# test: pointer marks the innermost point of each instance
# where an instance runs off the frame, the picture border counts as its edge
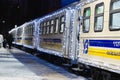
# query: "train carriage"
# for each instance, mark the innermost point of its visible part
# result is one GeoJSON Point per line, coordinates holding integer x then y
{"type": "Point", "coordinates": [28, 34]}
{"type": "Point", "coordinates": [52, 32]}
{"type": "Point", "coordinates": [99, 38]}
{"type": "Point", "coordinates": [59, 33]}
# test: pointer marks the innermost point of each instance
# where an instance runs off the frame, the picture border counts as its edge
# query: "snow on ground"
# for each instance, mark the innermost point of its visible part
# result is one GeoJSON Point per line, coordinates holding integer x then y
{"type": "Point", "coordinates": [18, 65]}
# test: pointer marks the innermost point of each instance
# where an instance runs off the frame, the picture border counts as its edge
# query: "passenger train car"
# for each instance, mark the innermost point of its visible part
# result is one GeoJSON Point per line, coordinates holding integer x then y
{"type": "Point", "coordinates": [99, 37]}
{"type": "Point", "coordinates": [28, 36]}
{"type": "Point", "coordinates": [85, 34]}
{"type": "Point", "coordinates": [54, 33]}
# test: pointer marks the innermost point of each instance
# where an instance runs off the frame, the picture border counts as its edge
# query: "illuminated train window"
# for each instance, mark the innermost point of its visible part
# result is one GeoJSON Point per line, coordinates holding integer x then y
{"type": "Point", "coordinates": [19, 32]}
{"type": "Point", "coordinates": [86, 19]}
{"type": "Point", "coordinates": [56, 25]}
{"type": "Point", "coordinates": [52, 26]}
{"type": "Point", "coordinates": [115, 15]}
{"type": "Point", "coordinates": [25, 29]}
{"type": "Point", "coordinates": [99, 12]}
{"type": "Point", "coordinates": [41, 28]}
{"type": "Point", "coordinates": [29, 29]}
{"type": "Point", "coordinates": [62, 24]}
{"type": "Point", "coordinates": [32, 29]}
{"type": "Point", "coordinates": [48, 27]}
{"type": "Point", "coordinates": [44, 30]}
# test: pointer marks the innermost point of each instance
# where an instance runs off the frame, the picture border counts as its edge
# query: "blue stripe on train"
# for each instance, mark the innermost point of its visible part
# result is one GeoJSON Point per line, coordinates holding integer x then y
{"type": "Point", "coordinates": [52, 40]}
{"type": "Point", "coordinates": [105, 43]}
{"type": "Point", "coordinates": [28, 38]}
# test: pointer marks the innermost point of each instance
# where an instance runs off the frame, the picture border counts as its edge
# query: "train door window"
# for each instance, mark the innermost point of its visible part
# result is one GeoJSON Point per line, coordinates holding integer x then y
{"type": "Point", "coordinates": [115, 15]}
{"type": "Point", "coordinates": [52, 26]}
{"type": "Point", "coordinates": [99, 12]}
{"type": "Point", "coordinates": [48, 27]}
{"type": "Point", "coordinates": [62, 24]}
{"type": "Point", "coordinates": [86, 20]}
{"type": "Point", "coordinates": [56, 25]}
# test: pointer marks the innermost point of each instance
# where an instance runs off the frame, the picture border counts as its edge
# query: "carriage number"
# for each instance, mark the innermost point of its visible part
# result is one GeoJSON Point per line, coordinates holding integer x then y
{"type": "Point", "coordinates": [116, 43]}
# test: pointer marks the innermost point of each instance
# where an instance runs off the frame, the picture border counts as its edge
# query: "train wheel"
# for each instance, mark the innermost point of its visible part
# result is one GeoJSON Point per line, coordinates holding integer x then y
{"type": "Point", "coordinates": [98, 74]}
{"type": "Point", "coordinates": [106, 75]}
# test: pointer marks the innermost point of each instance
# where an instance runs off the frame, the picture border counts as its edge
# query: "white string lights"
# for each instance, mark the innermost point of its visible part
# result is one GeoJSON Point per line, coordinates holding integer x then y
{"type": "Point", "coordinates": [66, 10]}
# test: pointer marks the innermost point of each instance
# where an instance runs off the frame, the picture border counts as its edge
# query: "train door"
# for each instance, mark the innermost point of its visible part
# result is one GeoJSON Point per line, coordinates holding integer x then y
{"type": "Point", "coordinates": [66, 36]}
{"type": "Point", "coordinates": [35, 34]}
{"type": "Point", "coordinates": [71, 35]}
{"type": "Point", "coordinates": [74, 36]}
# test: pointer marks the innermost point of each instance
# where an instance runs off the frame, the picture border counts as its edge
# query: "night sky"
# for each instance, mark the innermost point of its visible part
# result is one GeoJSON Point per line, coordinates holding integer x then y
{"type": "Point", "coordinates": [17, 12]}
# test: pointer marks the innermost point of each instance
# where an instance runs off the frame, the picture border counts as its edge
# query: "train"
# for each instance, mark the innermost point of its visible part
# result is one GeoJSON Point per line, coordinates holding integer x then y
{"type": "Point", "coordinates": [85, 33]}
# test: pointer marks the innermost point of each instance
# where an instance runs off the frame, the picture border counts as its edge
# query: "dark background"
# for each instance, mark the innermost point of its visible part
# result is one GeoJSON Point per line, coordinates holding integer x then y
{"type": "Point", "coordinates": [17, 12]}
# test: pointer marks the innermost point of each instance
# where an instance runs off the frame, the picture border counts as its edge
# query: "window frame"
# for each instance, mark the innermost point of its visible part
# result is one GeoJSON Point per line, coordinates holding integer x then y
{"type": "Point", "coordinates": [56, 29]}
{"type": "Point", "coordinates": [44, 28]}
{"type": "Point", "coordinates": [111, 13]}
{"type": "Point", "coordinates": [47, 27]}
{"type": "Point", "coordinates": [62, 23]}
{"type": "Point", "coordinates": [99, 15]}
{"type": "Point", "coordinates": [85, 18]}
{"type": "Point", "coordinates": [52, 25]}
{"type": "Point", "coordinates": [32, 29]}
{"type": "Point", "coordinates": [41, 28]}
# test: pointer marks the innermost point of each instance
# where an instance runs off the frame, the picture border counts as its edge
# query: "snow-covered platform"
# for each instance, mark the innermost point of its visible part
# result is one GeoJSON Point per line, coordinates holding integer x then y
{"type": "Point", "coordinates": [19, 65]}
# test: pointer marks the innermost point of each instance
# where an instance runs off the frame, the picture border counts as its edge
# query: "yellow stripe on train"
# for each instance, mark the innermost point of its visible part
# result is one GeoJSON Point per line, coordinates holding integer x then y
{"type": "Point", "coordinates": [28, 42]}
{"type": "Point", "coordinates": [104, 52]}
{"type": "Point", "coordinates": [52, 46]}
